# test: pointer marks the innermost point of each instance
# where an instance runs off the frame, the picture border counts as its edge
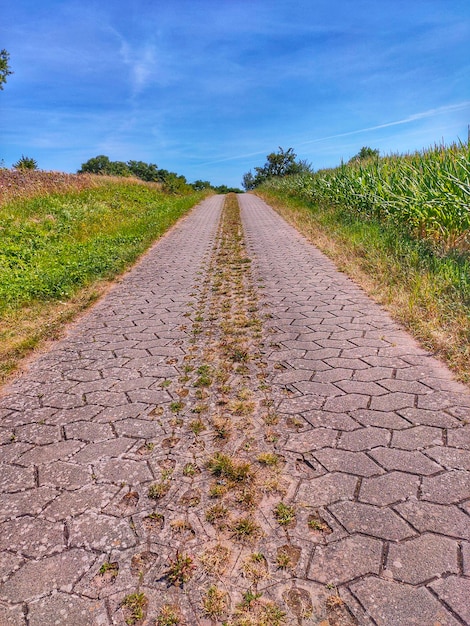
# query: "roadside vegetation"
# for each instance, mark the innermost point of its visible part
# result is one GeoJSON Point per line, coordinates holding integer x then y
{"type": "Point", "coordinates": [400, 226]}
{"type": "Point", "coordinates": [63, 238]}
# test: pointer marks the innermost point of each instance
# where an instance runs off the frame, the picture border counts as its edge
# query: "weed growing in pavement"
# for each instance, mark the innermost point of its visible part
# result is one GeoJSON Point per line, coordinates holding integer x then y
{"type": "Point", "coordinates": [284, 514]}
{"type": "Point", "coordinates": [316, 524]}
{"type": "Point", "coordinates": [168, 616]}
{"type": "Point", "coordinates": [268, 458]}
{"type": "Point", "coordinates": [111, 569]}
{"type": "Point", "coordinates": [216, 514]}
{"type": "Point", "coordinates": [197, 426]}
{"type": "Point", "coordinates": [222, 427]}
{"type": "Point", "coordinates": [190, 469]}
{"type": "Point", "coordinates": [158, 490]}
{"type": "Point", "coordinates": [225, 466]}
{"type": "Point", "coordinates": [245, 529]}
{"type": "Point", "coordinates": [177, 406]}
{"type": "Point", "coordinates": [216, 559]}
{"type": "Point", "coordinates": [214, 602]}
{"type": "Point", "coordinates": [134, 606]}
{"type": "Point", "coordinates": [255, 567]}
{"type": "Point", "coordinates": [181, 569]}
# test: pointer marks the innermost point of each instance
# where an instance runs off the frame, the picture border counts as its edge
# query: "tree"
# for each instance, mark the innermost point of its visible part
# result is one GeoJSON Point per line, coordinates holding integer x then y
{"type": "Point", "coordinates": [4, 67]}
{"type": "Point", "coordinates": [280, 163]}
{"type": "Point", "coordinates": [200, 185]}
{"type": "Point", "coordinates": [365, 153]}
{"type": "Point", "coordinates": [26, 163]}
{"type": "Point", "coordinates": [97, 165]}
{"type": "Point", "coordinates": [144, 171]}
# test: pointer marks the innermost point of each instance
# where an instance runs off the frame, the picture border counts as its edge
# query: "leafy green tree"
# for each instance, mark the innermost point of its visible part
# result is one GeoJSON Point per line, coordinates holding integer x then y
{"type": "Point", "coordinates": [144, 171]}
{"type": "Point", "coordinates": [26, 163]}
{"type": "Point", "coordinates": [249, 181]}
{"type": "Point", "coordinates": [97, 165]}
{"type": "Point", "coordinates": [200, 185]}
{"type": "Point", "coordinates": [365, 153]}
{"type": "Point", "coordinates": [118, 168]}
{"type": "Point", "coordinates": [4, 67]}
{"type": "Point", "coordinates": [281, 163]}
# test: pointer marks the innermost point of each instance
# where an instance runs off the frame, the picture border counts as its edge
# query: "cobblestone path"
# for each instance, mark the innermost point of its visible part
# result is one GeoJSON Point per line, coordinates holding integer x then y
{"type": "Point", "coordinates": [235, 434]}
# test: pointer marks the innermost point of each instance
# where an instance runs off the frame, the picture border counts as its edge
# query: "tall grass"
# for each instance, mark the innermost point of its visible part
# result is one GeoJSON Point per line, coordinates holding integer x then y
{"type": "Point", "coordinates": [425, 194]}
{"type": "Point", "coordinates": [56, 247]}
{"type": "Point", "coordinates": [400, 227]}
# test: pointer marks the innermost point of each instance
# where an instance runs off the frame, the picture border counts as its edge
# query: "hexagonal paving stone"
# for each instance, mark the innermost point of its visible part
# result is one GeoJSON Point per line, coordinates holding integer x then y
{"type": "Point", "coordinates": [426, 516]}
{"type": "Point", "coordinates": [417, 438]}
{"type": "Point", "coordinates": [69, 609]}
{"type": "Point", "coordinates": [403, 460]}
{"type": "Point", "coordinates": [391, 487]}
{"type": "Point", "coordinates": [36, 578]}
{"type": "Point", "coordinates": [423, 558]}
{"type": "Point", "coordinates": [101, 532]}
{"type": "Point", "coordinates": [364, 439]}
{"type": "Point", "coordinates": [446, 488]}
{"type": "Point", "coordinates": [356, 463]}
{"type": "Point", "coordinates": [395, 604]}
{"type": "Point", "coordinates": [455, 591]}
{"type": "Point", "coordinates": [376, 521]}
{"type": "Point", "coordinates": [327, 489]}
{"type": "Point", "coordinates": [345, 560]}
{"type": "Point", "coordinates": [451, 458]}
{"type": "Point", "coordinates": [31, 536]}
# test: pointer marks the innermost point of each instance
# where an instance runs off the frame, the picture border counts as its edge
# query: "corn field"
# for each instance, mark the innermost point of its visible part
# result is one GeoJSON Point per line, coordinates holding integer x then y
{"type": "Point", "coordinates": [426, 193]}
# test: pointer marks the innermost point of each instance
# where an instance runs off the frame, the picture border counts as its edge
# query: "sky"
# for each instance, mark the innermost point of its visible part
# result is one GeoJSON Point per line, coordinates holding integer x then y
{"type": "Point", "coordinates": [207, 88]}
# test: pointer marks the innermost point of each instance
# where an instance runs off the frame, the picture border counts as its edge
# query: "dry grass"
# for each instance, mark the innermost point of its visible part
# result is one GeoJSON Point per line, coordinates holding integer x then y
{"type": "Point", "coordinates": [30, 328]}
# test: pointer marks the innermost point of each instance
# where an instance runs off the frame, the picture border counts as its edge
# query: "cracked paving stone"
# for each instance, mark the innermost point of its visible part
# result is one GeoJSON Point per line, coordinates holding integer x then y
{"type": "Point", "coordinates": [14, 478]}
{"type": "Point", "coordinates": [438, 518]}
{"type": "Point", "coordinates": [31, 536]}
{"type": "Point", "coordinates": [120, 471]}
{"type": "Point", "coordinates": [71, 503]}
{"type": "Point", "coordinates": [404, 460]}
{"type": "Point", "coordinates": [50, 453]}
{"type": "Point", "coordinates": [356, 463]}
{"type": "Point", "coordinates": [37, 578]}
{"type": "Point", "coordinates": [423, 558]}
{"type": "Point", "coordinates": [345, 560]}
{"type": "Point", "coordinates": [371, 520]}
{"type": "Point", "coordinates": [391, 603]}
{"type": "Point", "coordinates": [101, 532]}
{"type": "Point", "coordinates": [64, 475]}
{"type": "Point", "coordinates": [12, 616]}
{"type": "Point", "coordinates": [389, 488]}
{"type": "Point", "coordinates": [455, 591]}
{"type": "Point", "coordinates": [64, 609]}
{"type": "Point", "coordinates": [103, 450]}
{"type": "Point", "coordinates": [29, 502]}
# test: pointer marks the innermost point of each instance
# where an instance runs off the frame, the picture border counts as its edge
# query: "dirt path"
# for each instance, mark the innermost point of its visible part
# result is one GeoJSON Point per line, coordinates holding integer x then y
{"type": "Point", "coordinates": [235, 435]}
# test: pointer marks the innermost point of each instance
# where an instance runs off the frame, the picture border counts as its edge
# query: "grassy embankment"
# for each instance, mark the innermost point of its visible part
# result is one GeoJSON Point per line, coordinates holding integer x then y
{"type": "Point", "coordinates": [400, 227]}
{"type": "Point", "coordinates": [63, 238]}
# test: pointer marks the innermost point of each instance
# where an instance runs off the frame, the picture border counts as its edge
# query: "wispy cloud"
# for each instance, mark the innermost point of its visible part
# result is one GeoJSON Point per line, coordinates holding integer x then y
{"type": "Point", "coordinates": [406, 120]}
{"type": "Point", "coordinates": [141, 61]}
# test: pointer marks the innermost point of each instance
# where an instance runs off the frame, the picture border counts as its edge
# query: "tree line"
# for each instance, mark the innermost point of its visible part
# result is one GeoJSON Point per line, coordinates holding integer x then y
{"type": "Point", "coordinates": [149, 172]}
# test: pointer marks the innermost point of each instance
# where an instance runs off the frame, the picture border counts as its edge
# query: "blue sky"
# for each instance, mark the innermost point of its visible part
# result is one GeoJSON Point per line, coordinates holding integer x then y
{"type": "Point", "coordinates": [207, 88]}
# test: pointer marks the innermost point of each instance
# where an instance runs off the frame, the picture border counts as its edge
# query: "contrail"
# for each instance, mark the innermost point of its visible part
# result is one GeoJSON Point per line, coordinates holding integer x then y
{"type": "Point", "coordinates": [405, 120]}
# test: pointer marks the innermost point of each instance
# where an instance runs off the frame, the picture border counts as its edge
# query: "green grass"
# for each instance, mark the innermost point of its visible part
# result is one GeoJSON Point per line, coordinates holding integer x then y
{"type": "Point", "coordinates": [58, 252]}
{"type": "Point", "coordinates": [53, 245]}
